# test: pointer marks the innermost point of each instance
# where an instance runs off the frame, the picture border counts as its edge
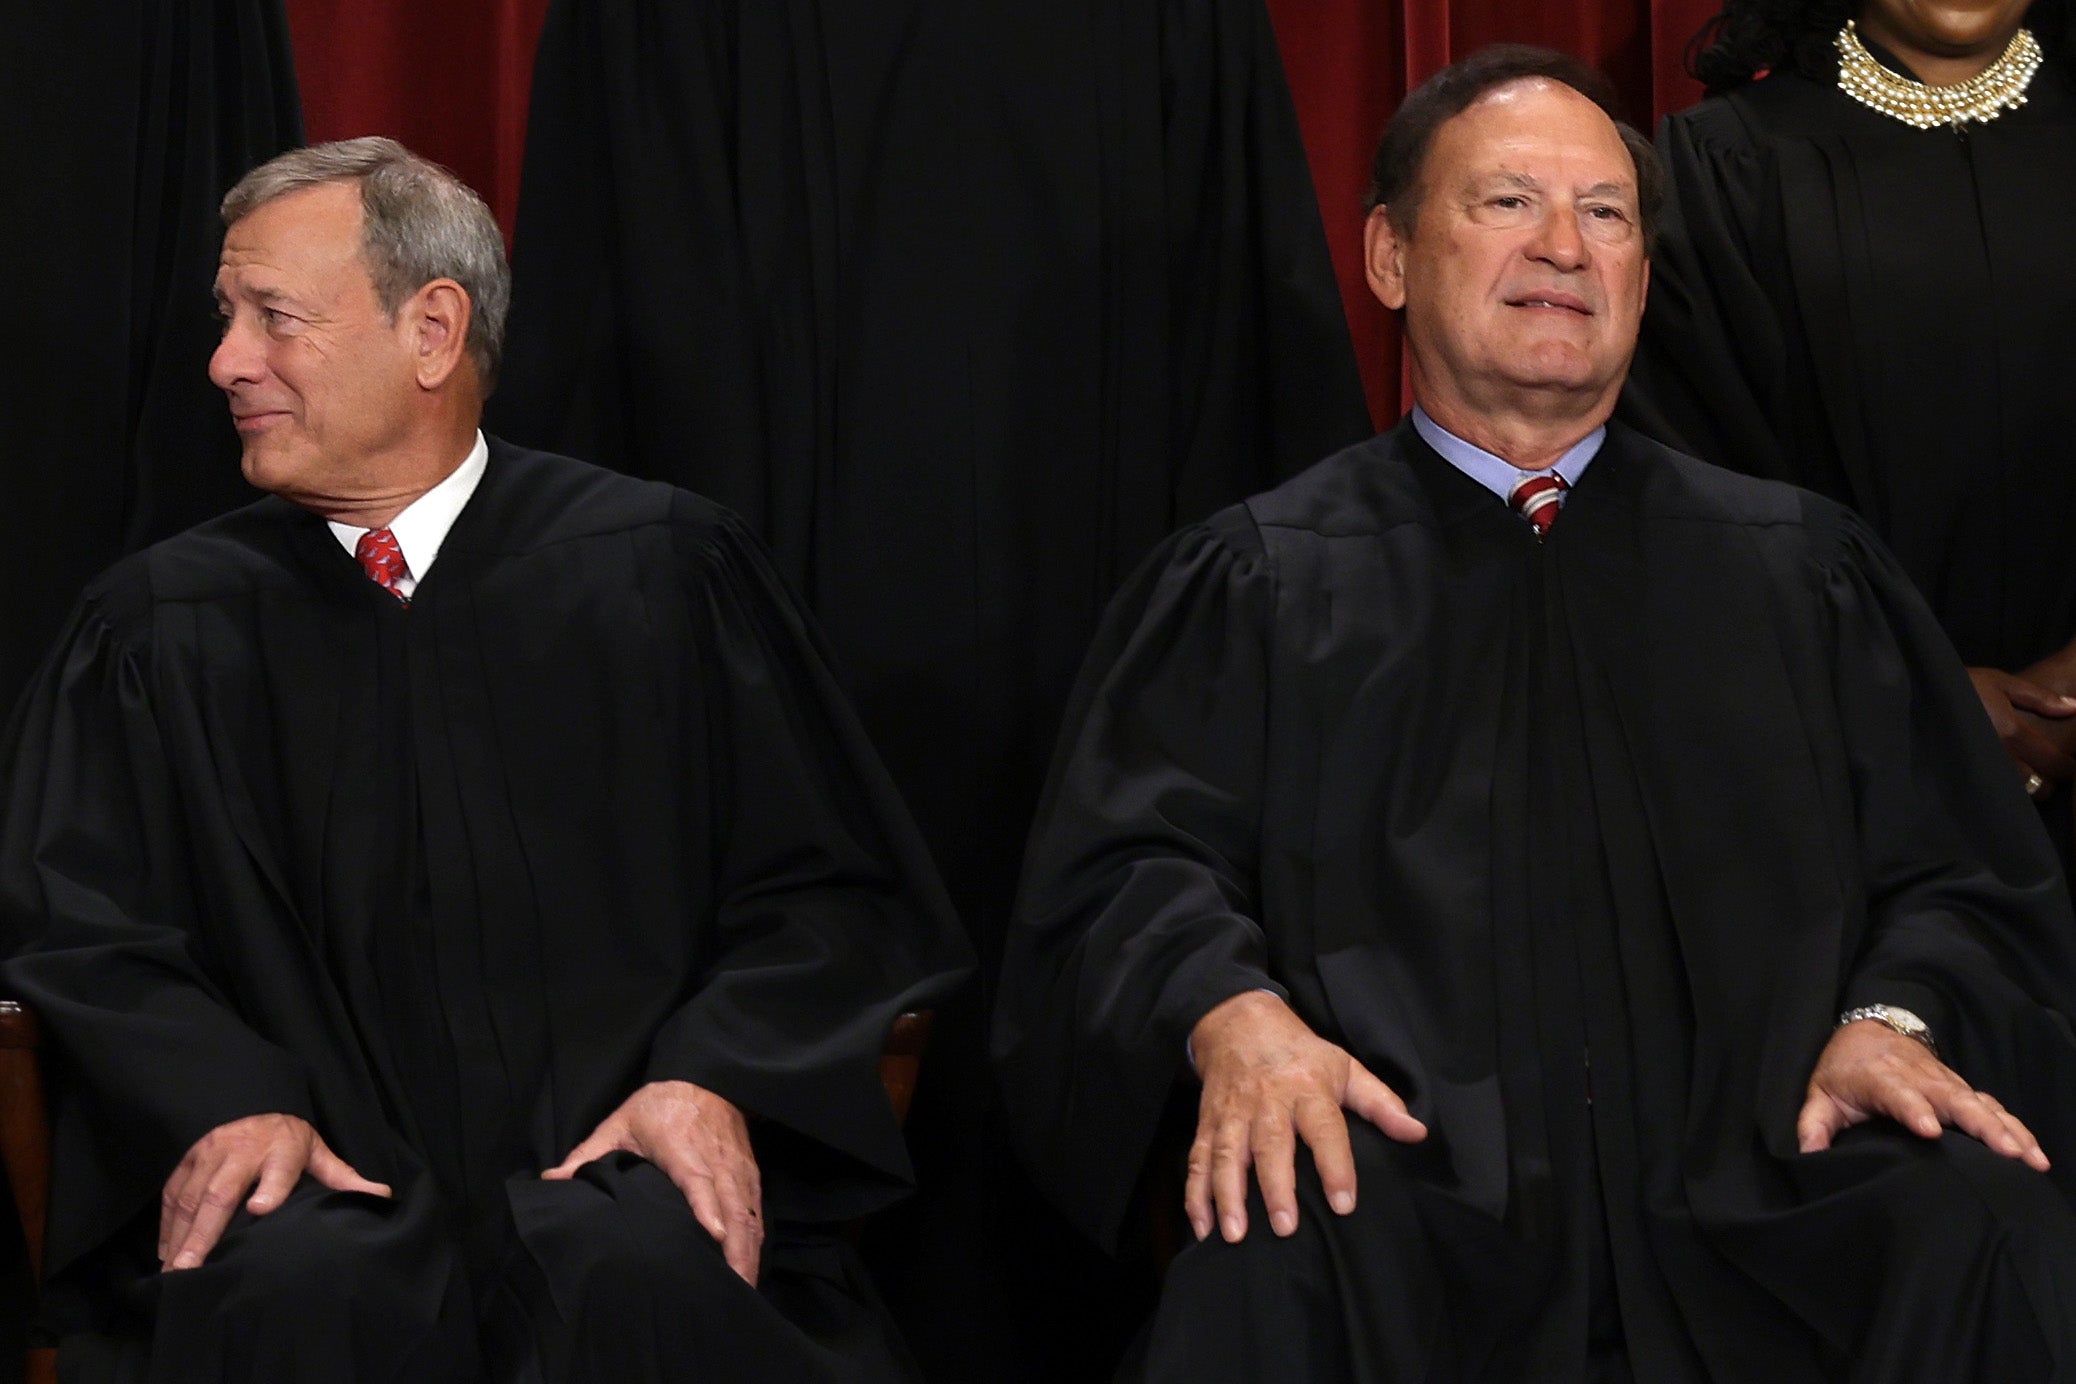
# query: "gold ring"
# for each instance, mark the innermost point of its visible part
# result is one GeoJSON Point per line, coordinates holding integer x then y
{"type": "Point", "coordinates": [2034, 783]}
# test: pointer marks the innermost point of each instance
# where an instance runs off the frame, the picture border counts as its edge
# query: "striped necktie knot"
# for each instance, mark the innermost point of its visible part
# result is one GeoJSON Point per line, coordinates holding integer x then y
{"type": "Point", "coordinates": [1537, 499]}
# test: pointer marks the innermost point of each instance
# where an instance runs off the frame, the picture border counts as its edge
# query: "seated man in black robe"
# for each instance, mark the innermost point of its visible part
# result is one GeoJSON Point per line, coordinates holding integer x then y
{"type": "Point", "coordinates": [467, 912]}
{"type": "Point", "coordinates": [1616, 837]}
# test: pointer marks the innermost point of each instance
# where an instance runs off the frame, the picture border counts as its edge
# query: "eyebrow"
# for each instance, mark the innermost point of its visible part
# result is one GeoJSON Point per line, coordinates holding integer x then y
{"type": "Point", "coordinates": [265, 296]}
{"type": "Point", "coordinates": [1485, 181]}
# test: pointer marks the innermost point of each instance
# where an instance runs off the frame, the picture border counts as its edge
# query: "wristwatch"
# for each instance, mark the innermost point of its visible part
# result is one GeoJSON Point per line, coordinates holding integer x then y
{"type": "Point", "coordinates": [1897, 1018]}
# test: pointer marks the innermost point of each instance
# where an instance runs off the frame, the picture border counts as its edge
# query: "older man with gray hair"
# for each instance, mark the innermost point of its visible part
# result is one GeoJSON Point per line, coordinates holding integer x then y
{"type": "Point", "coordinates": [467, 910]}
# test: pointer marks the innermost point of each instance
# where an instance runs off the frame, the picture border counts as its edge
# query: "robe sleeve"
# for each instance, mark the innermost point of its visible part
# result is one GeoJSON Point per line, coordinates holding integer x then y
{"type": "Point", "coordinates": [1968, 917]}
{"type": "Point", "coordinates": [1138, 910]}
{"type": "Point", "coordinates": [828, 920]}
{"type": "Point", "coordinates": [101, 907]}
{"type": "Point", "coordinates": [1710, 373]}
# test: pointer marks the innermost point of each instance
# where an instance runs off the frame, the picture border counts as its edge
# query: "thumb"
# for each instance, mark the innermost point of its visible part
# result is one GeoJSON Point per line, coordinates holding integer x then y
{"type": "Point", "coordinates": [591, 1150]}
{"type": "Point", "coordinates": [1820, 1120]}
{"type": "Point", "coordinates": [336, 1173]}
{"type": "Point", "coordinates": [1380, 1105]}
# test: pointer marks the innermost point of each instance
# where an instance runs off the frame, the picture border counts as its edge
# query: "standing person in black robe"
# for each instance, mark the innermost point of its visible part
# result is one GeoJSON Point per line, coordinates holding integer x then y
{"type": "Point", "coordinates": [470, 961]}
{"type": "Point", "coordinates": [1870, 296]}
{"type": "Point", "coordinates": [962, 307]}
{"type": "Point", "coordinates": [1618, 863]}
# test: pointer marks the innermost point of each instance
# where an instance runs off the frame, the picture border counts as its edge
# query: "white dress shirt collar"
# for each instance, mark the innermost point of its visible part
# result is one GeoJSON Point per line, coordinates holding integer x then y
{"type": "Point", "coordinates": [422, 526]}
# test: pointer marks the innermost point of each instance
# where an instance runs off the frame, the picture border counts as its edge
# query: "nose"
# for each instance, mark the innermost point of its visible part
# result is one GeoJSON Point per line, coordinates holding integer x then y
{"type": "Point", "coordinates": [1559, 241]}
{"type": "Point", "coordinates": [237, 358]}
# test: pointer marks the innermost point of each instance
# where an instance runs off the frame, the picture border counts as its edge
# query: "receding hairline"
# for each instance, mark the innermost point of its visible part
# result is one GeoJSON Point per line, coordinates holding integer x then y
{"type": "Point", "coordinates": [355, 241]}
{"type": "Point", "coordinates": [1505, 92]}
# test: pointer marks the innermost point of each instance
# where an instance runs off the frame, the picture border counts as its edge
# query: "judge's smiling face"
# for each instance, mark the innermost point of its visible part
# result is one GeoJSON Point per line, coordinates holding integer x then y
{"type": "Point", "coordinates": [321, 380]}
{"type": "Point", "coordinates": [1522, 276]}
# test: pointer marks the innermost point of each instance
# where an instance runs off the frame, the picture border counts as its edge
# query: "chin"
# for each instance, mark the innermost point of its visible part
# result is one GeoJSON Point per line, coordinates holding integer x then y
{"type": "Point", "coordinates": [267, 468]}
{"type": "Point", "coordinates": [1556, 368]}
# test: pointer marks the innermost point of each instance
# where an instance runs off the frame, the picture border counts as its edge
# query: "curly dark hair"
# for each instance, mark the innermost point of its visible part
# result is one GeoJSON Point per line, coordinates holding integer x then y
{"type": "Point", "coordinates": [1754, 36]}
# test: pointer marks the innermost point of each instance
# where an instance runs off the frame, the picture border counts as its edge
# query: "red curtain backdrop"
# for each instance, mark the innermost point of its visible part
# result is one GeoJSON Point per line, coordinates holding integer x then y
{"type": "Point", "coordinates": [450, 78]}
{"type": "Point", "coordinates": [1349, 62]}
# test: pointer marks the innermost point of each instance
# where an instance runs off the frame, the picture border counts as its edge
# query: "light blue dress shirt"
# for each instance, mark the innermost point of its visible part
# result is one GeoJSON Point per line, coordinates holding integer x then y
{"type": "Point", "coordinates": [1500, 477]}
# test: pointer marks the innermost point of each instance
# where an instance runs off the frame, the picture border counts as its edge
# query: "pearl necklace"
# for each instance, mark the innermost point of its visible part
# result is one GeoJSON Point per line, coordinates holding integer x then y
{"type": "Point", "coordinates": [1988, 94]}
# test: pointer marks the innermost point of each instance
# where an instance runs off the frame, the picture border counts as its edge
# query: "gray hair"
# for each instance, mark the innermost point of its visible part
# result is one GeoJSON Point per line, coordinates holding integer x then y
{"type": "Point", "coordinates": [418, 223]}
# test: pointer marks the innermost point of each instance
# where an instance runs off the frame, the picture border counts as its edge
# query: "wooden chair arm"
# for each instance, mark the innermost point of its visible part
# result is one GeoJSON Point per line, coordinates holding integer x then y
{"type": "Point", "coordinates": [25, 1150]}
{"type": "Point", "coordinates": [902, 1058]}
{"type": "Point", "coordinates": [24, 1123]}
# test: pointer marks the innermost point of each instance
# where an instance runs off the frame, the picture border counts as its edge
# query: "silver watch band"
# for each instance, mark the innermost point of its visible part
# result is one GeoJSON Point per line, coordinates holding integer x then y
{"type": "Point", "coordinates": [1894, 1017]}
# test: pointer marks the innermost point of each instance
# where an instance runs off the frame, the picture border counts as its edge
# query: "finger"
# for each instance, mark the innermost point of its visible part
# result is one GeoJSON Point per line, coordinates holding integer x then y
{"type": "Point", "coordinates": [1325, 1131]}
{"type": "Point", "coordinates": [602, 1142]}
{"type": "Point", "coordinates": [1196, 1188]}
{"type": "Point", "coordinates": [2035, 752]}
{"type": "Point", "coordinates": [1380, 1105]}
{"type": "Point", "coordinates": [1229, 1163]}
{"type": "Point", "coordinates": [1273, 1147]}
{"type": "Point", "coordinates": [698, 1186]}
{"type": "Point", "coordinates": [743, 1243]}
{"type": "Point", "coordinates": [1819, 1123]}
{"type": "Point", "coordinates": [278, 1173]}
{"type": "Point", "coordinates": [339, 1175]}
{"type": "Point", "coordinates": [2031, 1154]}
{"type": "Point", "coordinates": [172, 1220]}
{"type": "Point", "coordinates": [2031, 696]}
{"type": "Point", "coordinates": [204, 1165]}
{"type": "Point", "coordinates": [2035, 1156]}
{"type": "Point", "coordinates": [213, 1211]}
{"type": "Point", "coordinates": [1976, 1114]}
{"type": "Point", "coordinates": [721, 1170]}
{"type": "Point", "coordinates": [1907, 1106]}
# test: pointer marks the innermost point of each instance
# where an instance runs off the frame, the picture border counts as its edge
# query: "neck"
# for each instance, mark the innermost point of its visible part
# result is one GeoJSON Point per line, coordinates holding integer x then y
{"type": "Point", "coordinates": [397, 478]}
{"type": "Point", "coordinates": [1938, 66]}
{"type": "Point", "coordinates": [1525, 440]}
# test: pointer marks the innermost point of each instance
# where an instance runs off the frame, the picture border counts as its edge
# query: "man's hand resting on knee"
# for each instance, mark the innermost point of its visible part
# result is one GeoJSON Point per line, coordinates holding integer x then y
{"type": "Point", "coordinates": [1869, 1069]}
{"type": "Point", "coordinates": [1268, 1082]}
{"type": "Point", "coordinates": [204, 1191]}
{"type": "Point", "coordinates": [701, 1143]}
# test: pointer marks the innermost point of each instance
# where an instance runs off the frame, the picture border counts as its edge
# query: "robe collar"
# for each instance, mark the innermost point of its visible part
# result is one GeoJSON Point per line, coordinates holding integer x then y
{"type": "Point", "coordinates": [422, 526]}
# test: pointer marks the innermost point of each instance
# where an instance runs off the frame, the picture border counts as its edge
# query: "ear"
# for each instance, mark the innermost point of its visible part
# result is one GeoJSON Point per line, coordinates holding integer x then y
{"type": "Point", "coordinates": [438, 315]}
{"type": "Point", "coordinates": [1384, 259]}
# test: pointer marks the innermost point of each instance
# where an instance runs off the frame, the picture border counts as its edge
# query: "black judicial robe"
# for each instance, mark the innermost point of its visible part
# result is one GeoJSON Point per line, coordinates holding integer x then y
{"type": "Point", "coordinates": [451, 881]}
{"type": "Point", "coordinates": [1665, 793]}
{"type": "Point", "coordinates": [963, 305]}
{"type": "Point", "coordinates": [1881, 314]}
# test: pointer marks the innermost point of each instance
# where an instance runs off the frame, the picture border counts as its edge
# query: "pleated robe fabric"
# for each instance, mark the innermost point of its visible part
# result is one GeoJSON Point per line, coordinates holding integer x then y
{"type": "Point", "coordinates": [127, 121]}
{"type": "Point", "coordinates": [450, 882]}
{"type": "Point", "coordinates": [963, 307]}
{"type": "Point", "coordinates": [1634, 813]}
{"type": "Point", "coordinates": [1881, 314]}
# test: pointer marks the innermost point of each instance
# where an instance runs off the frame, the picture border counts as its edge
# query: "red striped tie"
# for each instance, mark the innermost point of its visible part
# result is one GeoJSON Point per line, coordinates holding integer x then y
{"type": "Point", "coordinates": [1537, 499]}
{"type": "Point", "coordinates": [383, 561]}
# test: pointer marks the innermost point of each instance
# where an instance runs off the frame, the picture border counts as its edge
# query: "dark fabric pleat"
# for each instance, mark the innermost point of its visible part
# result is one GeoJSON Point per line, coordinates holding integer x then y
{"type": "Point", "coordinates": [126, 123]}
